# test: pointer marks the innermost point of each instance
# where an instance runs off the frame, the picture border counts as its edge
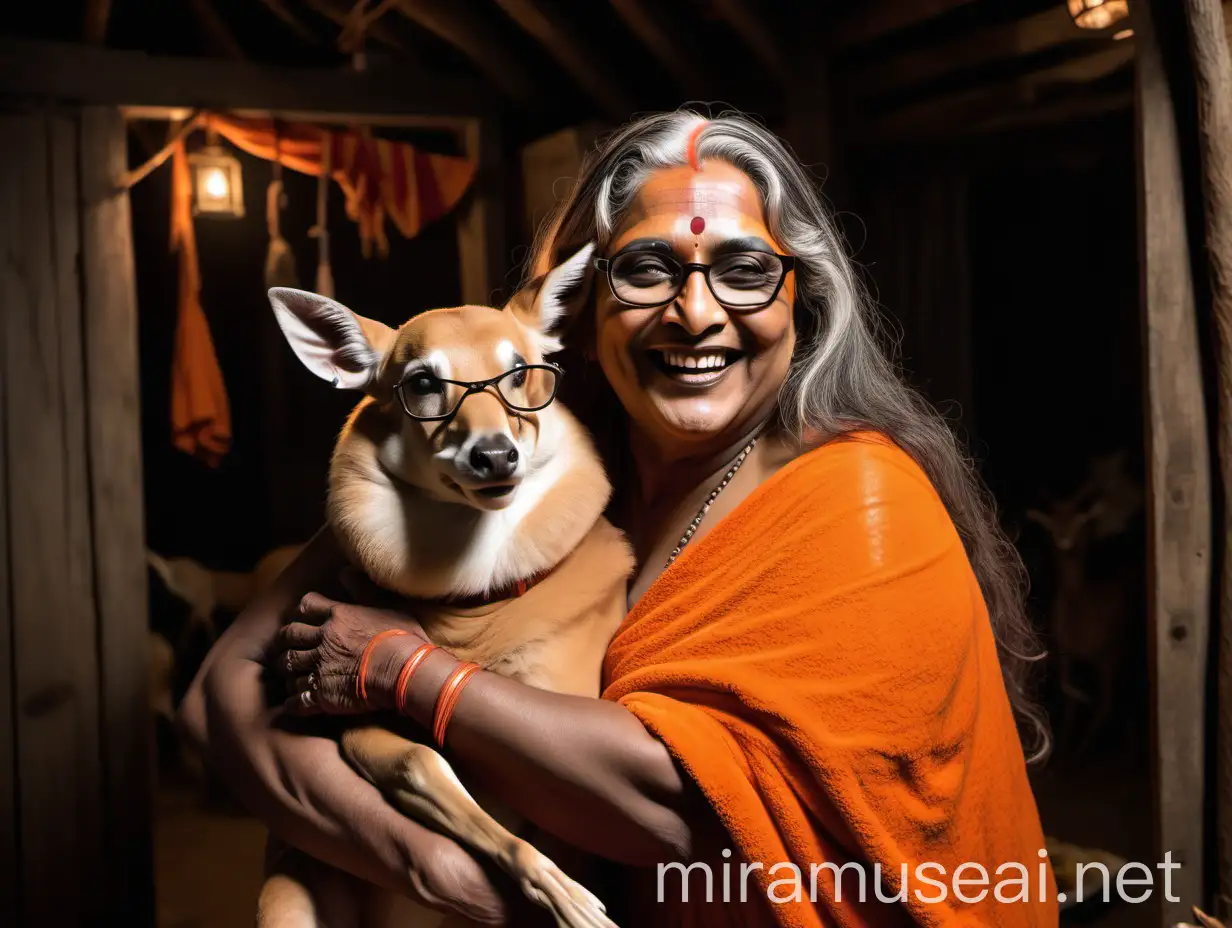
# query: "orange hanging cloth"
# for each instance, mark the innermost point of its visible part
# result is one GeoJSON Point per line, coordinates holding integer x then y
{"type": "Point", "coordinates": [200, 412]}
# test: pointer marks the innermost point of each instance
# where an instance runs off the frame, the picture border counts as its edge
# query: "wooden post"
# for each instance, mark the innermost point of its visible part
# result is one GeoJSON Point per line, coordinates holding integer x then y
{"type": "Point", "coordinates": [1212, 64]}
{"type": "Point", "coordinates": [481, 226]}
{"type": "Point", "coordinates": [54, 669]}
{"type": "Point", "coordinates": [1179, 537]}
{"type": "Point", "coordinates": [75, 782]}
{"type": "Point", "coordinates": [113, 402]}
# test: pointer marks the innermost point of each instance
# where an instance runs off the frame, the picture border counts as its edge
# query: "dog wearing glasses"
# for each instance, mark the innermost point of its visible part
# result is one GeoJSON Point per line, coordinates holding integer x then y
{"type": "Point", "coordinates": [459, 482]}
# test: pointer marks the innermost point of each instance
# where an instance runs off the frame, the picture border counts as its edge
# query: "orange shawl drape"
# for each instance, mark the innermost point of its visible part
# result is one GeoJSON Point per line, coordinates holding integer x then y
{"type": "Point", "coordinates": [822, 665]}
{"type": "Point", "coordinates": [380, 179]}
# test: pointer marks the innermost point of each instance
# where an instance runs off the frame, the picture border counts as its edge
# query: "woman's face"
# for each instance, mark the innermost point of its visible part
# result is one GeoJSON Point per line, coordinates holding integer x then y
{"type": "Point", "coordinates": [695, 370]}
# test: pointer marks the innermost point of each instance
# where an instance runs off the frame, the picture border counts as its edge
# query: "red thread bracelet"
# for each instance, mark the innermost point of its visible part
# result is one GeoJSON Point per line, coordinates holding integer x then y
{"type": "Point", "coordinates": [447, 700]}
{"type": "Point", "coordinates": [409, 668]}
{"type": "Point", "coordinates": [360, 689]}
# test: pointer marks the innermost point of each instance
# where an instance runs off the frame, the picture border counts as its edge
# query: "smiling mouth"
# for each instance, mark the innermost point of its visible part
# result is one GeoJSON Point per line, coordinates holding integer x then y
{"type": "Point", "coordinates": [503, 489]}
{"type": "Point", "coordinates": [494, 491]}
{"type": "Point", "coordinates": [694, 366]}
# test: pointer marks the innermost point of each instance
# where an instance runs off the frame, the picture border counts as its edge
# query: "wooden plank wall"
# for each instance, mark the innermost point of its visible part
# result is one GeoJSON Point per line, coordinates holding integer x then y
{"type": "Point", "coordinates": [10, 870]}
{"type": "Point", "coordinates": [76, 755]}
{"type": "Point", "coordinates": [482, 240]}
{"type": "Point", "coordinates": [1178, 472]}
{"type": "Point", "coordinates": [114, 441]}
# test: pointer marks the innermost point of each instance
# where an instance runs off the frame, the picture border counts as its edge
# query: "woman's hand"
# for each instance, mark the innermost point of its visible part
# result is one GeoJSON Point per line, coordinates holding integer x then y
{"type": "Point", "coordinates": [299, 784]}
{"type": "Point", "coordinates": [320, 653]}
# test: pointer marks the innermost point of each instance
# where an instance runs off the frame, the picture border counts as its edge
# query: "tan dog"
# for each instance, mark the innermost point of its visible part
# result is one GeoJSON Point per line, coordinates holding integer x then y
{"type": "Point", "coordinates": [464, 505]}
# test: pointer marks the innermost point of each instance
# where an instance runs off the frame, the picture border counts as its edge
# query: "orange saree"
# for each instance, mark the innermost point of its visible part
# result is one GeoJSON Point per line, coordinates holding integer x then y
{"type": "Point", "coordinates": [822, 665]}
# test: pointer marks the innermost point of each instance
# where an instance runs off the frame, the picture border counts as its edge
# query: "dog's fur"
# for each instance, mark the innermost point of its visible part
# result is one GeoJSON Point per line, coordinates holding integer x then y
{"type": "Point", "coordinates": [407, 505]}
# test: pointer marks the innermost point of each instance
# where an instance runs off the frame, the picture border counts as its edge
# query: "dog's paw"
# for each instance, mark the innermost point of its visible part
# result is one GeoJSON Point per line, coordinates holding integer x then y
{"type": "Point", "coordinates": [571, 903]}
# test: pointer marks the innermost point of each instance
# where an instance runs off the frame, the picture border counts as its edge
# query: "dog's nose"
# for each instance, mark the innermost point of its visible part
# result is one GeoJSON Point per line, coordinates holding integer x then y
{"type": "Point", "coordinates": [494, 457]}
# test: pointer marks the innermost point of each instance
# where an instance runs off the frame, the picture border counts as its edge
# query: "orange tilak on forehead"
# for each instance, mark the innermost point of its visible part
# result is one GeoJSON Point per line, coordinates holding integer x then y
{"type": "Point", "coordinates": [698, 223]}
{"type": "Point", "coordinates": [719, 190]}
{"type": "Point", "coordinates": [717, 201]}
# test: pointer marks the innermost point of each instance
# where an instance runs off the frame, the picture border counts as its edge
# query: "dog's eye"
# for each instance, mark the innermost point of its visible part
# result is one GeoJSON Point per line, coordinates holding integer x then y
{"type": "Point", "coordinates": [519, 377]}
{"type": "Point", "coordinates": [421, 383]}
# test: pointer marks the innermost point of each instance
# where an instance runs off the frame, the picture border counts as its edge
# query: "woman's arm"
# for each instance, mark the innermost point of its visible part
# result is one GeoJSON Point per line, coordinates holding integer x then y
{"type": "Point", "coordinates": [586, 770]}
{"type": "Point", "coordinates": [298, 783]}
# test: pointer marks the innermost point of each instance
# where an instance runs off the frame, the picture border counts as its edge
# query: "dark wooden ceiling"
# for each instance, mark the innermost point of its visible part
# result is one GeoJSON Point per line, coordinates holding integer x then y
{"type": "Point", "coordinates": [896, 70]}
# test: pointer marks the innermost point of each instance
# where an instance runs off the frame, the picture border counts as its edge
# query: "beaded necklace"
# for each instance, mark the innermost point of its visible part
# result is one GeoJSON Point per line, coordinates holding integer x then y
{"type": "Point", "coordinates": [701, 513]}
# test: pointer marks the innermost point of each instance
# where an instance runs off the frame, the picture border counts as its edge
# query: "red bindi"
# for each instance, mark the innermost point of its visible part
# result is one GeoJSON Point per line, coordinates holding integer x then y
{"type": "Point", "coordinates": [698, 225]}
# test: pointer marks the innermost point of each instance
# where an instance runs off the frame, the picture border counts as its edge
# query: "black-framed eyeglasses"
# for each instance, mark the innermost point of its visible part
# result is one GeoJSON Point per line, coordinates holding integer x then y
{"type": "Point", "coordinates": [526, 388]}
{"type": "Point", "coordinates": [743, 280]}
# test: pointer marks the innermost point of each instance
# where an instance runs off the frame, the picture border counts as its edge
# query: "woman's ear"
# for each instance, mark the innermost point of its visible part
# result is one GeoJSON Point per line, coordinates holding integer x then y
{"type": "Point", "coordinates": [543, 307]}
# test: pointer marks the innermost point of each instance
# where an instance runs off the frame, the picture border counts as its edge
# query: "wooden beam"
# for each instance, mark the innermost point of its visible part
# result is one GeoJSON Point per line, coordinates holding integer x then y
{"type": "Point", "coordinates": [338, 12]}
{"type": "Point", "coordinates": [218, 35]}
{"type": "Point", "coordinates": [86, 74]}
{"type": "Point", "coordinates": [292, 21]}
{"type": "Point", "coordinates": [572, 52]}
{"type": "Point", "coordinates": [482, 250]}
{"type": "Point", "coordinates": [98, 14]}
{"type": "Point", "coordinates": [934, 116]}
{"type": "Point", "coordinates": [389, 120]}
{"type": "Point", "coordinates": [1178, 480]}
{"type": "Point", "coordinates": [876, 18]}
{"type": "Point", "coordinates": [1051, 114]}
{"type": "Point", "coordinates": [750, 24]}
{"type": "Point", "coordinates": [477, 37]}
{"type": "Point", "coordinates": [1040, 32]}
{"type": "Point", "coordinates": [668, 42]}
{"type": "Point", "coordinates": [1212, 65]}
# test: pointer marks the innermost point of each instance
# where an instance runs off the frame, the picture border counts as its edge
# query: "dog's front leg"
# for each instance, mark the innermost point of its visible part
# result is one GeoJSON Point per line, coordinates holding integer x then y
{"type": "Point", "coordinates": [421, 783]}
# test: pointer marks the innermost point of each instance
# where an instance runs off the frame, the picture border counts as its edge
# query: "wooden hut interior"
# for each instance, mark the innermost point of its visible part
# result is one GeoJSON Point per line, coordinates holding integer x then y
{"type": "Point", "coordinates": [999, 168]}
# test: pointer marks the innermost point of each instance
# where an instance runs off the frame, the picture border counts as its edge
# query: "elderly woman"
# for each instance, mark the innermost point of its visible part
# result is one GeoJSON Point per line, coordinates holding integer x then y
{"type": "Point", "coordinates": [814, 695]}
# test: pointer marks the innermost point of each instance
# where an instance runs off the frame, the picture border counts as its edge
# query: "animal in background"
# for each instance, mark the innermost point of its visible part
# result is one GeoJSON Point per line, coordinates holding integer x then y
{"type": "Point", "coordinates": [460, 482]}
{"type": "Point", "coordinates": [1204, 921]}
{"type": "Point", "coordinates": [184, 601]}
{"type": "Point", "coordinates": [1091, 609]}
{"type": "Point", "coordinates": [205, 590]}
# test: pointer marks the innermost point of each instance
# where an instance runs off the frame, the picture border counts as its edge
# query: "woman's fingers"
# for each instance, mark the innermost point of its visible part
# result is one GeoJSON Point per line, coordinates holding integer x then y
{"type": "Point", "coordinates": [297, 663]}
{"type": "Point", "coordinates": [303, 702]}
{"type": "Point", "coordinates": [299, 636]}
{"type": "Point", "coordinates": [316, 608]}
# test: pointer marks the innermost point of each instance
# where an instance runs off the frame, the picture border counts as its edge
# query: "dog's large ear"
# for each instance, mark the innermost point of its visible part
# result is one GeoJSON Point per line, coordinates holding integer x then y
{"type": "Point", "coordinates": [334, 343]}
{"type": "Point", "coordinates": [543, 307]}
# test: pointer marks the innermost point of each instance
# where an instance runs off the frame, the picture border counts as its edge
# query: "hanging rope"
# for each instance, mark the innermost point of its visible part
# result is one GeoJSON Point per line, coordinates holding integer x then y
{"type": "Point", "coordinates": [279, 260]}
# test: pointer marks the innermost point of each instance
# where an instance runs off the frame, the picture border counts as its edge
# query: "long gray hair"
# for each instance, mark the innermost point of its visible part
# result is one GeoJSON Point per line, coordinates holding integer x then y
{"type": "Point", "coordinates": [840, 380]}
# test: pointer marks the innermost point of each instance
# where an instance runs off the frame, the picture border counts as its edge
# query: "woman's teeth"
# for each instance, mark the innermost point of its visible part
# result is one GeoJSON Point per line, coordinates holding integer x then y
{"type": "Point", "coordinates": [701, 362]}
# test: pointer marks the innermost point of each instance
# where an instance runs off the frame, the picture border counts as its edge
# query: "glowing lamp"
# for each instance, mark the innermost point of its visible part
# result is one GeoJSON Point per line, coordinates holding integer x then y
{"type": "Point", "coordinates": [1098, 14]}
{"type": "Point", "coordinates": [218, 183]}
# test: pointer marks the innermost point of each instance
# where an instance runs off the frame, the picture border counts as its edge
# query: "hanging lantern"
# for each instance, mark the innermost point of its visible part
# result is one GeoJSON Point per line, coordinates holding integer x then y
{"type": "Point", "coordinates": [1098, 14]}
{"type": "Point", "coordinates": [218, 183]}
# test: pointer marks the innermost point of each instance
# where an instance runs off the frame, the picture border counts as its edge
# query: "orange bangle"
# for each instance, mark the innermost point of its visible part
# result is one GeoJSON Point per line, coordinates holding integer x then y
{"type": "Point", "coordinates": [404, 678]}
{"type": "Point", "coordinates": [448, 698]}
{"type": "Point", "coordinates": [360, 689]}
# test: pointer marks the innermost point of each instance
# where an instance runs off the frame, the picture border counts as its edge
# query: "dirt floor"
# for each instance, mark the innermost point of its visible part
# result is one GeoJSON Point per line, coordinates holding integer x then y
{"type": "Point", "coordinates": [207, 862]}
{"type": "Point", "coordinates": [1105, 805]}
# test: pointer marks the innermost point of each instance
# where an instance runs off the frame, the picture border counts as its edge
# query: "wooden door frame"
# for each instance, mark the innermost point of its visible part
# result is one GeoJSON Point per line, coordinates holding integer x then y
{"type": "Point", "coordinates": [93, 88]}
